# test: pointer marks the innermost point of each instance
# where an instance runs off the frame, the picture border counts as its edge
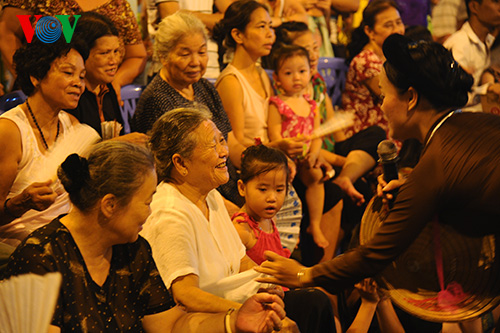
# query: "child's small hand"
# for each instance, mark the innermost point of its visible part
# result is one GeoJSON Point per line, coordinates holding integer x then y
{"type": "Point", "coordinates": [368, 291]}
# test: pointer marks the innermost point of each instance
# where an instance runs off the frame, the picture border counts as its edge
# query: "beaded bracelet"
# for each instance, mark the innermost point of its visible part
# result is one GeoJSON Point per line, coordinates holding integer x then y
{"type": "Point", "coordinates": [227, 320]}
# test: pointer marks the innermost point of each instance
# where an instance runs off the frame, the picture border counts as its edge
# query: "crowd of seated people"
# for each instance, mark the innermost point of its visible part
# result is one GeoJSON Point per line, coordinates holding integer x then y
{"type": "Point", "coordinates": [212, 141]}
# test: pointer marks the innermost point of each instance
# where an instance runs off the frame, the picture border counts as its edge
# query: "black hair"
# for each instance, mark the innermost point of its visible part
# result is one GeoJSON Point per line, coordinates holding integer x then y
{"type": "Point", "coordinates": [237, 16]}
{"type": "Point", "coordinates": [418, 32]}
{"type": "Point", "coordinates": [34, 59]}
{"type": "Point", "coordinates": [285, 35]}
{"type": "Point", "coordinates": [285, 52]}
{"type": "Point", "coordinates": [429, 68]}
{"type": "Point", "coordinates": [359, 38]}
{"type": "Point", "coordinates": [113, 167]}
{"type": "Point", "coordinates": [91, 26]}
{"type": "Point", "coordinates": [260, 159]}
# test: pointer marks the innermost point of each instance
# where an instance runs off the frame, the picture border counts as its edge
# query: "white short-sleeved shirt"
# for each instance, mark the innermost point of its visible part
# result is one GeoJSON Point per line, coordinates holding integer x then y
{"type": "Point", "coordinates": [473, 55]}
{"type": "Point", "coordinates": [185, 242]}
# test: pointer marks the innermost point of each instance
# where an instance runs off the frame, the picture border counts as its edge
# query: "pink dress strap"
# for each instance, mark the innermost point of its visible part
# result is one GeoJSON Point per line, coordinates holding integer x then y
{"type": "Point", "coordinates": [265, 241]}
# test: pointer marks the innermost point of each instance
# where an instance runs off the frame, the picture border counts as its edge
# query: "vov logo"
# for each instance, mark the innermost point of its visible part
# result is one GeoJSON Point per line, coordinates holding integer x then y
{"type": "Point", "coordinates": [48, 29]}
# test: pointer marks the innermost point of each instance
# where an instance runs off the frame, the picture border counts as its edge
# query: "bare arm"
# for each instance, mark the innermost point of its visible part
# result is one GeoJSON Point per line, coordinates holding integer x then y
{"type": "Point", "coordinates": [245, 233]}
{"type": "Point", "coordinates": [186, 291]}
{"type": "Point", "coordinates": [345, 6]}
{"type": "Point", "coordinates": [231, 95]}
{"type": "Point", "coordinates": [133, 64]}
{"type": "Point", "coordinates": [246, 263]}
{"type": "Point", "coordinates": [167, 8]}
{"type": "Point", "coordinates": [293, 10]}
{"type": "Point", "coordinates": [235, 149]}
{"type": "Point", "coordinates": [387, 318]}
{"type": "Point", "coordinates": [11, 34]}
{"type": "Point", "coordinates": [274, 123]}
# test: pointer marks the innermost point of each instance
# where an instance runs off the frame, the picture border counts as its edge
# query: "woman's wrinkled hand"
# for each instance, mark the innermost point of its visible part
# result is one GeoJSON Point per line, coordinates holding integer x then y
{"type": "Point", "coordinates": [261, 313]}
{"type": "Point", "coordinates": [282, 271]}
{"type": "Point", "coordinates": [38, 196]}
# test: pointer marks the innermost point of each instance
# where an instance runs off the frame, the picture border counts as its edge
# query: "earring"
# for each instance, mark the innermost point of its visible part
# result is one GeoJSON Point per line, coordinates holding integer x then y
{"type": "Point", "coordinates": [184, 173]}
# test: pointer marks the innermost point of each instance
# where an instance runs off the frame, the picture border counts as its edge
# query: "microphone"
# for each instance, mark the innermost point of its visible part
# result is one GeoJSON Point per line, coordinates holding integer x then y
{"type": "Point", "coordinates": [388, 157]}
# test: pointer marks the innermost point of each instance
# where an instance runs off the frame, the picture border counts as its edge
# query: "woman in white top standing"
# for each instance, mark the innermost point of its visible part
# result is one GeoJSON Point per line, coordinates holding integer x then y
{"type": "Point", "coordinates": [244, 86]}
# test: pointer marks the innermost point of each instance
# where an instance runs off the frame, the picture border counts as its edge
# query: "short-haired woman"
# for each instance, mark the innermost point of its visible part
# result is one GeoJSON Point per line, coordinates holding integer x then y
{"type": "Point", "coordinates": [52, 76]}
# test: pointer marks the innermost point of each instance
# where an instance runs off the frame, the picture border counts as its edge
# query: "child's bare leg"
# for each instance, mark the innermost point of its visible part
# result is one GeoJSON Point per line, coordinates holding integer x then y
{"type": "Point", "coordinates": [357, 163]}
{"type": "Point", "coordinates": [315, 196]}
{"type": "Point", "coordinates": [330, 225]}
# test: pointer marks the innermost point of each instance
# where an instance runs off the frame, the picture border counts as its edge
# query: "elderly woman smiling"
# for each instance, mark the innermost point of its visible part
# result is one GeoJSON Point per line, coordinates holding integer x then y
{"type": "Point", "coordinates": [181, 45]}
{"type": "Point", "coordinates": [198, 250]}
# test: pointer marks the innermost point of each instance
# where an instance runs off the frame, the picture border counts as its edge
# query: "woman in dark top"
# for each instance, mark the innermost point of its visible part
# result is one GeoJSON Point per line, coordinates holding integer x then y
{"type": "Point", "coordinates": [457, 178]}
{"type": "Point", "coordinates": [98, 102]}
{"type": "Point", "coordinates": [110, 282]}
{"type": "Point", "coordinates": [181, 45]}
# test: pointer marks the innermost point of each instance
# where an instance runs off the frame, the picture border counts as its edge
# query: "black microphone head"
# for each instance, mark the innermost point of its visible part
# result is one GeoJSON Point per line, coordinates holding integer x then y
{"type": "Point", "coordinates": [387, 151]}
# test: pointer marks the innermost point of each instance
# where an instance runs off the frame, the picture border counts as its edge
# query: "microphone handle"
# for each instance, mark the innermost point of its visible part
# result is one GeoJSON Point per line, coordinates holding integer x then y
{"type": "Point", "coordinates": [391, 173]}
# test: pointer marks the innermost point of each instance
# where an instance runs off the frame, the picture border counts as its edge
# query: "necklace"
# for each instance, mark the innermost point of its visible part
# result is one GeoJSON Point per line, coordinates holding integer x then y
{"type": "Point", "coordinates": [38, 126]}
{"type": "Point", "coordinates": [439, 125]}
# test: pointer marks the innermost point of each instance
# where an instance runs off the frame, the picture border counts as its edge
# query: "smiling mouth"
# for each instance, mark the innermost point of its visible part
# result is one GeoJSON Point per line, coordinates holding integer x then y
{"type": "Point", "coordinates": [221, 165]}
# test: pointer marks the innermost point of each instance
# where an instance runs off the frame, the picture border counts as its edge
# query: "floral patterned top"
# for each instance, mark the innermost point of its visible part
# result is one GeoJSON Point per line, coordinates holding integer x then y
{"type": "Point", "coordinates": [292, 124]}
{"type": "Point", "coordinates": [357, 98]}
{"type": "Point", "coordinates": [118, 11]}
{"type": "Point", "coordinates": [132, 290]}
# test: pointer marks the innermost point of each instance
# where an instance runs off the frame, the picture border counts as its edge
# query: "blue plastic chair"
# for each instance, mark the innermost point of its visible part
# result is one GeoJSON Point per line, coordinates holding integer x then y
{"type": "Point", "coordinates": [10, 100]}
{"type": "Point", "coordinates": [334, 71]}
{"type": "Point", "coordinates": [130, 96]}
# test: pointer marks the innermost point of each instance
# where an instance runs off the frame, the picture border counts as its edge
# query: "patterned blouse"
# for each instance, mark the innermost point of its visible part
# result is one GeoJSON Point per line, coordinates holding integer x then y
{"type": "Point", "coordinates": [357, 98]}
{"type": "Point", "coordinates": [159, 97]}
{"type": "Point", "coordinates": [118, 11]}
{"type": "Point", "coordinates": [132, 290]}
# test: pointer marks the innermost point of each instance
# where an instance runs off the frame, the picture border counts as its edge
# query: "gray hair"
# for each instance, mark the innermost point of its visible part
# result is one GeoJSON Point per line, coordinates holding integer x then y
{"type": "Point", "coordinates": [172, 29]}
{"type": "Point", "coordinates": [113, 167]}
{"type": "Point", "coordinates": [173, 133]}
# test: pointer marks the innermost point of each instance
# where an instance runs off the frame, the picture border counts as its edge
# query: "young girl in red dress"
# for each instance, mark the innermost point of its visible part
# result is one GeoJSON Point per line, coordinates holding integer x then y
{"type": "Point", "coordinates": [263, 184]}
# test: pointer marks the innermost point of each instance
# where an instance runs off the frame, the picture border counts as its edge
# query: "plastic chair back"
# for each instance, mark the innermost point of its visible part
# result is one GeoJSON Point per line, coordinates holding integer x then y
{"type": "Point", "coordinates": [10, 100]}
{"type": "Point", "coordinates": [130, 96]}
{"type": "Point", "coordinates": [334, 71]}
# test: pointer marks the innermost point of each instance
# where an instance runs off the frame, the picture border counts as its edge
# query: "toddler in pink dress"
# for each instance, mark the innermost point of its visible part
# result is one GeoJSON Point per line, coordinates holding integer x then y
{"type": "Point", "coordinates": [293, 114]}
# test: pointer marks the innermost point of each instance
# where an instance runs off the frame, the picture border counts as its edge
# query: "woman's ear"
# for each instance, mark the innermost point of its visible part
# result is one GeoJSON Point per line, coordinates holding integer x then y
{"type": "Point", "coordinates": [241, 188]}
{"type": "Point", "coordinates": [237, 36]}
{"type": "Point", "coordinates": [34, 81]}
{"type": "Point", "coordinates": [179, 164]}
{"type": "Point", "coordinates": [368, 32]}
{"type": "Point", "coordinates": [412, 98]}
{"type": "Point", "coordinates": [109, 205]}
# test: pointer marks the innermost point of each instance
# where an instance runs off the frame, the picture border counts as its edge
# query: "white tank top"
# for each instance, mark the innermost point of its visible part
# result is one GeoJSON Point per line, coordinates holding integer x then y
{"type": "Point", "coordinates": [14, 232]}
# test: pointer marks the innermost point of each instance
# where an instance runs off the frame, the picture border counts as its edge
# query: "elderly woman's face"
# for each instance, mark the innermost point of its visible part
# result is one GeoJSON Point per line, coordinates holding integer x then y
{"type": "Point", "coordinates": [130, 218]}
{"type": "Point", "coordinates": [103, 60]}
{"type": "Point", "coordinates": [207, 165]}
{"type": "Point", "coordinates": [187, 62]}
{"type": "Point", "coordinates": [395, 108]}
{"type": "Point", "coordinates": [64, 83]}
